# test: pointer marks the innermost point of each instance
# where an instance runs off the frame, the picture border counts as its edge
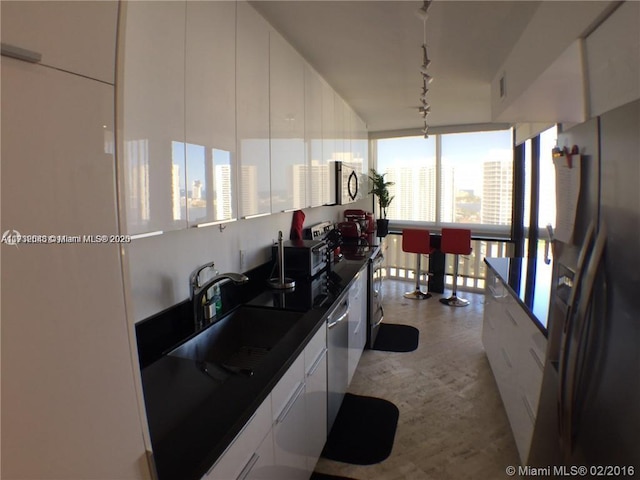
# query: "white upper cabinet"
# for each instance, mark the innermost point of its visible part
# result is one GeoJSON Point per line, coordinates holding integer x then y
{"type": "Point", "coordinates": [328, 135]}
{"type": "Point", "coordinates": [339, 131]}
{"type": "Point", "coordinates": [318, 167]}
{"type": "Point", "coordinates": [67, 377]}
{"type": "Point", "coordinates": [152, 114]}
{"type": "Point", "coordinates": [210, 112]}
{"type": "Point", "coordinates": [288, 160]}
{"type": "Point", "coordinates": [53, 30]}
{"type": "Point", "coordinates": [360, 143]}
{"type": "Point", "coordinates": [252, 110]}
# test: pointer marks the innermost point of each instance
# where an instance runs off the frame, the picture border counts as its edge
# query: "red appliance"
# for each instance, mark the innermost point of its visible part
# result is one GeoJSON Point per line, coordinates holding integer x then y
{"type": "Point", "coordinates": [366, 220]}
{"type": "Point", "coordinates": [349, 229]}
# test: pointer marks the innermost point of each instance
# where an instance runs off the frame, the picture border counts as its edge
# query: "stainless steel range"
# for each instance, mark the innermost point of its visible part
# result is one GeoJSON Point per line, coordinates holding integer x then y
{"type": "Point", "coordinates": [354, 249]}
{"type": "Point", "coordinates": [375, 312]}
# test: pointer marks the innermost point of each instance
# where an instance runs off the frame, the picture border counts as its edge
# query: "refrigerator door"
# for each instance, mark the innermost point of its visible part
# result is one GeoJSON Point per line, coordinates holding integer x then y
{"type": "Point", "coordinates": [574, 372]}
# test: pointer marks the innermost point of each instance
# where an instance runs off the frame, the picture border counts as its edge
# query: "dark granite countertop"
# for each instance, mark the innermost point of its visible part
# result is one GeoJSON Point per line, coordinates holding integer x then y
{"type": "Point", "coordinates": [529, 281]}
{"type": "Point", "coordinates": [192, 419]}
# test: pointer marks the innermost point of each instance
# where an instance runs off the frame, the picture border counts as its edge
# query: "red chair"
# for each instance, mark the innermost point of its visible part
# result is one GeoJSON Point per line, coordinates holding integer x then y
{"type": "Point", "coordinates": [419, 242]}
{"type": "Point", "coordinates": [458, 242]}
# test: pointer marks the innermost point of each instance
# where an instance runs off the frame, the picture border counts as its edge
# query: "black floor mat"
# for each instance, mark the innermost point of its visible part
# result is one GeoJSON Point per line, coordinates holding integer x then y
{"type": "Point", "coordinates": [326, 476]}
{"type": "Point", "coordinates": [396, 338]}
{"type": "Point", "coordinates": [363, 431]}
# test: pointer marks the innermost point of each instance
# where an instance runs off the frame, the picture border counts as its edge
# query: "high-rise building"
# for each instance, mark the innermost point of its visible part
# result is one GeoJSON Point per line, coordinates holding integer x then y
{"type": "Point", "coordinates": [176, 200]}
{"type": "Point", "coordinates": [137, 159]}
{"type": "Point", "coordinates": [223, 193]}
{"type": "Point", "coordinates": [497, 185]}
{"type": "Point", "coordinates": [249, 193]}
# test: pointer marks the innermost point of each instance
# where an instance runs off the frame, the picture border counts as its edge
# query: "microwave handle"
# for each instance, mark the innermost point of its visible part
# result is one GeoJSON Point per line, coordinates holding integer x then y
{"type": "Point", "coordinates": [353, 177]}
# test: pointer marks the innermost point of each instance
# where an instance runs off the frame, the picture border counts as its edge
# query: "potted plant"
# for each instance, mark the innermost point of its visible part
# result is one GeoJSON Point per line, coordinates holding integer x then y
{"type": "Point", "coordinates": [380, 188]}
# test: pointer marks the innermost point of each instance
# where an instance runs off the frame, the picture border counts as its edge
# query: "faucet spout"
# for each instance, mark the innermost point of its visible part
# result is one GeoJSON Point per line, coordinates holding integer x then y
{"type": "Point", "coordinates": [237, 278]}
{"type": "Point", "coordinates": [198, 291]}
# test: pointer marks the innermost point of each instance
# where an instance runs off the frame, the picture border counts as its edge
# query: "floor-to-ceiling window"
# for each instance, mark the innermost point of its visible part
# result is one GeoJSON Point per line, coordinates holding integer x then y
{"type": "Point", "coordinates": [539, 189]}
{"type": "Point", "coordinates": [456, 178]}
{"type": "Point", "coordinates": [450, 179]}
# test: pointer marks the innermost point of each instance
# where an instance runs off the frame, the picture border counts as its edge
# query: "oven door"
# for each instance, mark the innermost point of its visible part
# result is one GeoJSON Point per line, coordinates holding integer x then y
{"type": "Point", "coordinates": [376, 311]}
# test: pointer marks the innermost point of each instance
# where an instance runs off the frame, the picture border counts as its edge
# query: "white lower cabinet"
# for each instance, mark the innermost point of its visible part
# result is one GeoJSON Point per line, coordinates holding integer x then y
{"type": "Point", "coordinates": [315, 360]}
{"type": "Point", "coordinates": [357, 321]}
{"type": "Point", "coordinates": [289, 423]}
{"type": "Point", "coordinates": [516, 350]}
{"type": "Point", "coordinates": [285, 436]}
{"type": "Point", "coordinates": [240, 455]}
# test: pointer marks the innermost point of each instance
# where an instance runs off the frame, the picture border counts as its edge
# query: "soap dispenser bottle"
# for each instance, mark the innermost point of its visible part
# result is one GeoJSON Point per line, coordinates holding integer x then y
{"type": "Point", "coordinates": [216, 299]}
{"type": "Point", "coordinates": [211, 299]}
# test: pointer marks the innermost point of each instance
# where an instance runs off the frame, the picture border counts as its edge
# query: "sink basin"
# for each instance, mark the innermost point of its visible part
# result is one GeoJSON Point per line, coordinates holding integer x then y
{"type": "Point", "coordinates": [240, 340]}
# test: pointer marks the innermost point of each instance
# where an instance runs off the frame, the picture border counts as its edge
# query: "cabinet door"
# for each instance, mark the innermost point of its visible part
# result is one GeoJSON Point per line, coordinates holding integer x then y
{"type": "Point", "coordinates": [318, 168]}
{"type": "Point", "coordinates": [357, 319]}
{"type": "Point", "coordinates": [359, 145]}
{"type": "Point", "coordinates": [338, 119]}
{"type": "Point", "coordinates": [67, 373]}
{"type": "Point", "coordinates": [152, 116]}
{"type": "Point", "coordinates": [288, 160]}
{"type": "Point", "coordinates": [289, 421]}
{"type": "Point", "coordinates": [316, 396]}
{"type": "Point", "coordinates": [328, 140]}
{"type": "Point", "coordinates": [210, 111]}
{"type": "Point", "coordinates": [242, 455]}
{"type": "Point", "coordinates": [252, 93]}
{"type": "Point", "coordinates": [78, 37]}
{"type": "Point", "coordinates": [262, 465]}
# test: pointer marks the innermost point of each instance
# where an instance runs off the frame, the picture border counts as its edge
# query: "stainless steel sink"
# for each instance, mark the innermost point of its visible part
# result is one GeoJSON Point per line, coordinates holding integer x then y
{"type": "Point", "coordinates": [238, 342]}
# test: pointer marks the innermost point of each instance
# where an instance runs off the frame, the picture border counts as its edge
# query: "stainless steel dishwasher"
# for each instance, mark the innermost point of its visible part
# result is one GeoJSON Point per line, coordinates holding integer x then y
{"type": "Point", "coordinates": [337, 358]}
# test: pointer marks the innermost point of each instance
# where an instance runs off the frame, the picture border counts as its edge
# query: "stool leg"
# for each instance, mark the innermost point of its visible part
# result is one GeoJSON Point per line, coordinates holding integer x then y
{"type": "Point", "coordinates": [453, 300]}
{"type": "Point", "coordinates": [417, 294]}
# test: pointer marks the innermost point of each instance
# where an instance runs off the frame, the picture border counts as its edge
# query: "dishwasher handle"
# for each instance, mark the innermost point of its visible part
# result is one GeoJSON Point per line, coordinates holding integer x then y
{"type": "Point", "coordinates": [332, 323]}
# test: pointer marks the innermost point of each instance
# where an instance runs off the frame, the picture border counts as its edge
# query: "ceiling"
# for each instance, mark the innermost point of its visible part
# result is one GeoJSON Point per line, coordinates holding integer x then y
{"type": "Point", "coordinates": [370, 52]}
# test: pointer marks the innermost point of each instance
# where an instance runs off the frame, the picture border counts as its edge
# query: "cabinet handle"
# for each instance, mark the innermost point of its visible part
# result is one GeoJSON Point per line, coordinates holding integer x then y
{"type": "Point", "coordinates": [507, 360]}
{"type": "Point", "coordinates": [290, 403]}
{"type": "Point", "coordinates": [529, 410]}
{"type": "Point", "coordinates": [513, 320]}
{"type": "Point", "coordinates": [146, 235]}
{"type": "Point", "coordinates": [537, 359]}
{"type": "Point", "coordinates": [317, 362]}
{"type": "Point", "coordinates": [21, 53]}
{"type": "Point", "coordinates": [248, 467]}
{"type": "Point", "coordinates": [256, 215]}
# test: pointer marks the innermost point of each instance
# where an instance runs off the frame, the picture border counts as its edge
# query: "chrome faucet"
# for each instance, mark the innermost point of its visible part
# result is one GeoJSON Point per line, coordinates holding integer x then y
{"type": "Point", "coordinates": [198, 291]}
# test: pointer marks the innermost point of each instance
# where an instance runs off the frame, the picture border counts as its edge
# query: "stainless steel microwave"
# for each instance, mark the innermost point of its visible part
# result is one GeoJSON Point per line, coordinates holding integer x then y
{"type": "Point", "coordinates": [303, 258]}
{"type": "Point", "coordinates": [345, 182]}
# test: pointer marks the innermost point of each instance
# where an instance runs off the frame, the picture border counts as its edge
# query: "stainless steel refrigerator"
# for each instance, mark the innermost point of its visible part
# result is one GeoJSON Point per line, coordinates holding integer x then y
{"type": "Point", "coordinates": [589, 414]}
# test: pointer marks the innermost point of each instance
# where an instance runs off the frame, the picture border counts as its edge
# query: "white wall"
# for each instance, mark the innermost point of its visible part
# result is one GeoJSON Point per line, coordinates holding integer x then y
{"type": "Point", "coordinates": [159, 267]}
{"type": "Point", "coordinates": [613, 60]}
{"type": "Point", "coordinates": [562, 23]}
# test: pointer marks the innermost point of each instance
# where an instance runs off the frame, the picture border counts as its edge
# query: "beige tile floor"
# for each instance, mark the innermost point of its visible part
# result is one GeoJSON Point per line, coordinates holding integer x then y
{"type": "Point", "coordinates": [452, 423]}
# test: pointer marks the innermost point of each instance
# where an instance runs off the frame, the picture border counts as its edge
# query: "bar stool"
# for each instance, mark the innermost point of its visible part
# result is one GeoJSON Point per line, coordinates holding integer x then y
{"type": "Point", "coordinates": [419, 242]}
{"type": "Point", "coordinates": [458, 242]}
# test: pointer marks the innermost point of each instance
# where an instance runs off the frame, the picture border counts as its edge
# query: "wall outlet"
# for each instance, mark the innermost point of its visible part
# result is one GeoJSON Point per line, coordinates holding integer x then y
{"type": "Point", "coordinates": [242, 259]}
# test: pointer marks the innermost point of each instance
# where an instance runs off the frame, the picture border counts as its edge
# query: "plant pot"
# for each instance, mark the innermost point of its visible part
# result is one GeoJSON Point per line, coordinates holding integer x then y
{"type": "Point", "coordinates": [382, 227]}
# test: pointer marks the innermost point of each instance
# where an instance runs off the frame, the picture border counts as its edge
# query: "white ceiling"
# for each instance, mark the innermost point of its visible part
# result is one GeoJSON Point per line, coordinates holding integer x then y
{"type": "Point", "coordinates": [370, 52]}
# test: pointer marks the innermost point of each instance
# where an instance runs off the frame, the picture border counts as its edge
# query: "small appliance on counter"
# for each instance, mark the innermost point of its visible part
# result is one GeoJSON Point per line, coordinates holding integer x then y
{"type": "Point", "coordinates": [350, 230]}
{"type": "Point", "coordinates": [366, 220]}
{"type": "Point", "coordinates": [303, 258]}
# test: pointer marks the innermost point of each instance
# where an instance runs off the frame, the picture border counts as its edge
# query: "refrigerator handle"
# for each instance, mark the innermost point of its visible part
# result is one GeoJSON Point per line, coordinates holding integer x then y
{"type": "Point", "coordinates": [565, 340]}
{"type": "Point", "coordinates": [575, 344]}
